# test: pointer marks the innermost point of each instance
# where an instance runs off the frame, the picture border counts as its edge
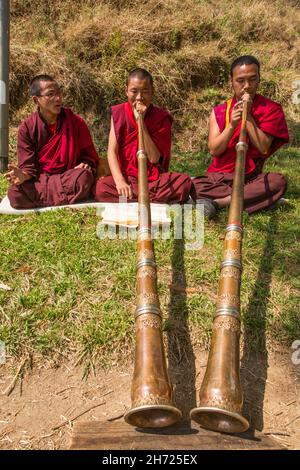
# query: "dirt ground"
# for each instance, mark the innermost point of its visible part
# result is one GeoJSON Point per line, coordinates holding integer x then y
{"type": "Point", "coordinates": [46, 400]}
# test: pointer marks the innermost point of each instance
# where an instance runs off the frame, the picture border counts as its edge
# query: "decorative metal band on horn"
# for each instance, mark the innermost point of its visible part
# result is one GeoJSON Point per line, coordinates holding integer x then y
{"type": "Point", "coordinates": [232, 253]}
{"type": "Point", "coordinates": [228, 323]}
{"type": "Point", "coordinates": [146, 262]}
{"type": "Point", "coordinates": [147, 270]}
{"type": "Point", "coordinates": [233, 235]}
{"type": "Point", "coordinates": [141, 154]}
{"type": "Point", "coordinates": [232, 262]}
{"type": "Point", "coordinates": [145, 253]}
{"type": "Point", "coordinates": [150, 401]}
{"type": "Point", "coordinates": [147, 309]}
{"type": "Point", "coordinates": [234, 227]}
{"type": "Point", "coordinates": [232, 311]}
{"type": "Point", "coordinates": [143, 230]}
{"type": "Point", "coordinates": [149, 322]}
{"type": "Point", "coordinates": [230, 271]}
{"type": "Point", "coordinates": [241, 146]}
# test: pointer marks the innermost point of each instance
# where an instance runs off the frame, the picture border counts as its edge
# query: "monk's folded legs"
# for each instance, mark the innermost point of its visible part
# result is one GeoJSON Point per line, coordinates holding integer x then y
{"type": "Point", "coordinates": [77, 186]}
{"type": "Point", "coordinates": [263, 191]}
{"type": "Point", "coordinates": [216, 186]}
{"type": "Point", "coordinates": [260, 191]}
{"type": "Point", "coordinates": [24, 196]}
{"type": "Point", "coordinates": [169, 188]}
{"type": "Point", "coordinates": [106, 191]}
{"type": "Point", "coordinates": [72, 186]}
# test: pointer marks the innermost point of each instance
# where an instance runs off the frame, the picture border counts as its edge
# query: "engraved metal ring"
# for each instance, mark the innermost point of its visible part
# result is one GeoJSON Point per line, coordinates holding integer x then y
{"type": "Point", "coordinates": [234, 227]}
{"type": "Point", "coordinates": [141, 154]}
{"type": "Point", "coordinates": [147, 309]}
{"type": "Point", "coordinates": [144, 230]}
{"type": "Point", "coordinates": [232, 262]}
{"type": "Point", "coordinates": [231, 311]}
{"type": "Point", "coordinates": [242, 145]}
{"type": "Point", "coordinates": [145, 262]}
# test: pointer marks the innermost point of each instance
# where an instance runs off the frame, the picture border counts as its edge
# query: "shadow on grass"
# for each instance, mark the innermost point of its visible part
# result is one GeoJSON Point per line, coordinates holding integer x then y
{"type": "Point", "coordinates": [180, 352]}
{"type": "Point", "coordinates": [254, 363]}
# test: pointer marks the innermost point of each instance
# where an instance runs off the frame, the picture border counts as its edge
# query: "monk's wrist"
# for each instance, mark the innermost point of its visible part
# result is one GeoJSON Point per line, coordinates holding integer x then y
{"type": "Point", "coordinates": [250, 119]}
{"type": "Point", "coordinates": [119, 179]}
{"type": "Point", "coordinates": [25, 176]}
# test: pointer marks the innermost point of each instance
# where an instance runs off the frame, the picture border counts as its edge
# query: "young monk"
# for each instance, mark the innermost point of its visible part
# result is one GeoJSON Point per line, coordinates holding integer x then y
{"type": "Point", "coordinates": [57, 159]}
{"type": "Point", "coordinates": [266, 132]}
{"type": "Point", "coordinates": [123, 145]}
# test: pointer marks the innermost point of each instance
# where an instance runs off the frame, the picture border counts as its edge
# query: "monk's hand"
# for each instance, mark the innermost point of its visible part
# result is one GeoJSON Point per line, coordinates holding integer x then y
{"type": "Point", "coordinates": [236, 114]}
{"type": "Point", "coordinates": [140, 107]}
{"type": "Point", "coordinates": [15, 175]}
{"type": "Point", "coordinates": [124, 189]}
{"type": "Point", "coordinates": [85, 166]}
{"type": "Point", "coordinates": [247, 98]}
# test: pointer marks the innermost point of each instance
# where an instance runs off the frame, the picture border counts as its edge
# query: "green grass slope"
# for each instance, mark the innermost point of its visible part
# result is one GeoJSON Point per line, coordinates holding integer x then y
{"type": "Point", "coordinates": [73, 294]}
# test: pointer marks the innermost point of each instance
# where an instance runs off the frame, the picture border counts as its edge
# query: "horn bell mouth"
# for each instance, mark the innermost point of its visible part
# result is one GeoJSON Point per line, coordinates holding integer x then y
{"type": "Point", "coordinates": [219, 420]}
{"type": "Point", "coordinates": [153, 416]}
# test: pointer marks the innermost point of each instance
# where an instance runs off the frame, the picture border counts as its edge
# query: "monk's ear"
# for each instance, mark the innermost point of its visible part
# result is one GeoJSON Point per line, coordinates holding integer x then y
{"type": "Point", "coordinates": [35, 100]}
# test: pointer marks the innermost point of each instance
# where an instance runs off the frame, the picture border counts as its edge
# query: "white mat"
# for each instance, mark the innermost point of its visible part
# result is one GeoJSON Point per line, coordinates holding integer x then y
{"type": "Point", "coordinates": [125, 214]}
{"type": "Point", "coordinates": [5, 207]}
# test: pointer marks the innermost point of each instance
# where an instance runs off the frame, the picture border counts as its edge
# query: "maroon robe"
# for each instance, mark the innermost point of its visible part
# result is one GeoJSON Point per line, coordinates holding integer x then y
{"type": "Point", "coordinates": [163, 185]}
{"type": "Point", "coordinates": [261, 189]}
{"type": "Point", "coordinates": [49, 157]}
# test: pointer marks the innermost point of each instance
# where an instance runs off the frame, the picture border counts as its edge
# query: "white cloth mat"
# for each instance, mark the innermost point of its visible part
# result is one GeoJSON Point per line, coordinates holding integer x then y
{"type": "Point", "coordinates": [125, 214]}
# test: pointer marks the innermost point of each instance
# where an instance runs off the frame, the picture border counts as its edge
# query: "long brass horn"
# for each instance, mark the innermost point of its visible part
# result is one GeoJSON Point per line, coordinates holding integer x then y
{"type": "Point", "coordinates": [220, 396]}
{"type": "Point", "coordinates": [151, 391]}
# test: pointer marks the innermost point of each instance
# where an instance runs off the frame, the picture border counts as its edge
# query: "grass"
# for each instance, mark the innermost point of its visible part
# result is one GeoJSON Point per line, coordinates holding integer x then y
{"type": "Point", "coordinates": [73, 294]}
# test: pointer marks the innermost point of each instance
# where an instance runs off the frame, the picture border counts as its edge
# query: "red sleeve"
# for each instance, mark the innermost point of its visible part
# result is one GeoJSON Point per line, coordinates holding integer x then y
{"type": "Point", "coordinates": [87, 151]}
{"type": "Point", "coordinates": [274, 124]}
{"type": "Point", "coordinates": [26, 151]}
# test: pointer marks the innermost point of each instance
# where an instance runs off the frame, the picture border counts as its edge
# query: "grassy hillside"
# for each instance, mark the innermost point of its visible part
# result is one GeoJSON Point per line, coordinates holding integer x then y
{"type": "Point", "coordinates": [72, 294]}
{"type": "Point", "coordinates": [90, 45]}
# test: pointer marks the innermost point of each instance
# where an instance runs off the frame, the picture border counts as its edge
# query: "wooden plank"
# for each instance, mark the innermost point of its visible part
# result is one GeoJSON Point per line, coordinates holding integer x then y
{"type": "Point", "coordinates": [97, 435]}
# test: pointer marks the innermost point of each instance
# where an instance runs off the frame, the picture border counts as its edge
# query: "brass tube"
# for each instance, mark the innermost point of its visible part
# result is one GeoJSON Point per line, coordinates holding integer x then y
{"type": "Point", "coordinates": [220, 396]}
{"type": "Point", "coordinates": [151, 391]}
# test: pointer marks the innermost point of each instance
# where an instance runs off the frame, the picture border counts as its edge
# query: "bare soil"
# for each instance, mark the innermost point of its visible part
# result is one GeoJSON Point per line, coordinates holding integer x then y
{"type": "Point", "coordinates": [46, 400]}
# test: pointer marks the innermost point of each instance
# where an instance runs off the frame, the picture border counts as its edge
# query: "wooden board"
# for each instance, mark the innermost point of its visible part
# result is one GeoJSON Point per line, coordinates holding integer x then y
{"type": "Point", "coordinates": [97, 435]}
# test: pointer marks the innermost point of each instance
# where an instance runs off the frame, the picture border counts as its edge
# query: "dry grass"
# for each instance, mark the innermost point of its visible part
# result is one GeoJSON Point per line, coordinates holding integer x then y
{"type": "Point", "coordinates": [187, 45]}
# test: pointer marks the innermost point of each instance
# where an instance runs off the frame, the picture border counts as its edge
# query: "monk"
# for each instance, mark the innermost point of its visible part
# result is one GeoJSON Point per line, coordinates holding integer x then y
{"type": "Point", "coordinates": [266, 132]}
{"type": "Point", "coordinates": [164, 186]}
{"type": "Point", "coordinates": [57, 159]}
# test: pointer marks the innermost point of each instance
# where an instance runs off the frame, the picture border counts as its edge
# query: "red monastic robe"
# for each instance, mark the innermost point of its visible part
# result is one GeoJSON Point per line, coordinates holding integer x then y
{"type": "Point", "coordinates": [163, 185]}
{"type": "Point", "coordinates": [49, 154]}
{"type": "Point", "coordinates": [261, 190]}
{"type": "Point", "coordinates": [158, 122]}
{"type": "Point", "coordinates": [269, 118]}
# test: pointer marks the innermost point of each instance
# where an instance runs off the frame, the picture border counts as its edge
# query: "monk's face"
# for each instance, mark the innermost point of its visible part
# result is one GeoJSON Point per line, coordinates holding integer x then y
{"type": "Point", "coordinates": [50, 98]}
{"type": "Point", "coordinates": [139, 91]}
{"type": "Point", "coordinates": [245, 79]}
